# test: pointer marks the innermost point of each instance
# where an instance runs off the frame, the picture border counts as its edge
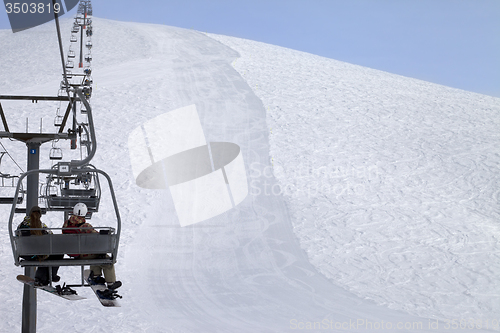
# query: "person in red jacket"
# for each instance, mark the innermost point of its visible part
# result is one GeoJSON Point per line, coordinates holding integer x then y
{"type": "Point", "coordinates": [77, 224]}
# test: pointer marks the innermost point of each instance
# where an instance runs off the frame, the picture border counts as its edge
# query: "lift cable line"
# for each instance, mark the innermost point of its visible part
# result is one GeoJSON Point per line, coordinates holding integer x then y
{"type": "Point", "coordinates": [61, 51]}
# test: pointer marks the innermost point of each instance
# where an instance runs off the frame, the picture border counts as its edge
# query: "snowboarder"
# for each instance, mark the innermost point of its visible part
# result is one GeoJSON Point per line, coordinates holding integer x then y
{"type": "Point", "coordinates": [33, 221]}
{"type": "Point", "coordinates": [77, 224]}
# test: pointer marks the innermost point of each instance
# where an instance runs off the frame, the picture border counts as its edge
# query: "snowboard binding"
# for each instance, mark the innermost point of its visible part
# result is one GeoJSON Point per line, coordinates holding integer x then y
{"type": "Point", "coordinates": [65, 290]}
{"type": "Point", "coordinates": [108, 294]}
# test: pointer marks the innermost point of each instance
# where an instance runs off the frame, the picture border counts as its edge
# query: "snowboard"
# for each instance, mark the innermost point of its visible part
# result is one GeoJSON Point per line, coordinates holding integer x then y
{"type": "Point", "coordinates": [99, 290]}
{"type": "Point", "coordinates": [31, 282]}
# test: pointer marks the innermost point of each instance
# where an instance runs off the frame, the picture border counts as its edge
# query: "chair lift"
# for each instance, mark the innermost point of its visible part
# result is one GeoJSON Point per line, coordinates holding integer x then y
{"type": "Point", "coordinates": [58, 120]}
{"type": "Point", "coordinates": [71, 54]}
{"type": "Point", "coordinates": [104, 242]}
{"type": "Point", "coordinates": [73, 39]}
{"type": "Point", "coordinates": [84, 187]}
{"type": "Point", "coordinates": [69, 74]}
{"type": "Point", "coordinates": [56, 153]}
{"type": "Point", "coordinates": [11, 183]}
{"type": "Point", "coordinates": [75, 29]}
{"type": "Point", "coordinates": [89, 44]}
{"type": "Point", "coordinates": [88, 57]}
{"type": "Point", "coordinates": [70, 64]}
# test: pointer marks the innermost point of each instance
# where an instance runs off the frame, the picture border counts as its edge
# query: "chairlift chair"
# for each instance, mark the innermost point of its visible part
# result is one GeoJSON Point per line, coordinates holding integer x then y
{"type": "Point", "coordinates": [73, 39]}
{"type": "Point", "coordinates": [12, 182]}
{"type": "Point", "coordinates": [56, 153]}
{"type": "Point", "coordinates": [104, 242]}
{"type": "Point", "coordinates": [71, 54]}
{"type": "Point", "coordinates": [89, 44]}
{"type": "Point", "coordinates": [70, 64]}
{"type": "Point", "coordinates": [84, 187]}
{"type": "Point", "coordinates": [58, 120]}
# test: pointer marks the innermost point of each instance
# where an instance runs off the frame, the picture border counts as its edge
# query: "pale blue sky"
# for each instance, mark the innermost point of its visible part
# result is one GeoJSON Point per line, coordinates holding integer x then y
{"type": "Point", "coordinates": [450, 42]}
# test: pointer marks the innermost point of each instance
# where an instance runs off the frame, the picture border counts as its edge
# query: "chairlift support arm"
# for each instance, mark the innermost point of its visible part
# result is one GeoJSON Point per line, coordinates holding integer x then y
{"type": "Point", "coordinates": [35, 99]}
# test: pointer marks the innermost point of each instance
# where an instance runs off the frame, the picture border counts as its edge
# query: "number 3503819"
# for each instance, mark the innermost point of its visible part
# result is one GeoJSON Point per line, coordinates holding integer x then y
{"type": "Point", "coordinates": [31, 8]}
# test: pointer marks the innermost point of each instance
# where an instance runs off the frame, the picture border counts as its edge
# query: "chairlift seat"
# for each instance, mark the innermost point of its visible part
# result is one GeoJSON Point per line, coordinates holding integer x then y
{"type": "Point", "coordinates": [78, 192]}
{"type": "Point", "coordinates": [66, 262]}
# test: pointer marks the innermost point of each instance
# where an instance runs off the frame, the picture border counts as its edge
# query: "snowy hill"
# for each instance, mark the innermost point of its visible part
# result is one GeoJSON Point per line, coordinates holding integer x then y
{"type": "Point", "coordinates": [394, 188]}
{"type": "Point", "coordinates": [389, 184]}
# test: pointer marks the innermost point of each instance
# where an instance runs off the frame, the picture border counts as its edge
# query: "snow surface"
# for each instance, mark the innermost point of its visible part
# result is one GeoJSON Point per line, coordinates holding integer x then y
{"type": "Point", "coordinates": [389, 184]}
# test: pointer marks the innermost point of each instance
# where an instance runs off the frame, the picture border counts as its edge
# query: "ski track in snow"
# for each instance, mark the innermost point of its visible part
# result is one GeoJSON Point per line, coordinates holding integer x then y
{"type": "Point", "coordinates": [394, 182]}
{"type": "Point", "coordinates": [397, 202]}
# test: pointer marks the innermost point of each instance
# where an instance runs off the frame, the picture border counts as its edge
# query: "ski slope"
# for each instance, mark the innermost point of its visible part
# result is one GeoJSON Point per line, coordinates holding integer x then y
{"type": "Point", "coordinates": [373, 199]}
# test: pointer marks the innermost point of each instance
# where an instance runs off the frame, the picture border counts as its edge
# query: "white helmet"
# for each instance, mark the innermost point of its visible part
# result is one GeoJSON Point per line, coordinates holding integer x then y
{"type": "Point", "coordinates": [80, 209]}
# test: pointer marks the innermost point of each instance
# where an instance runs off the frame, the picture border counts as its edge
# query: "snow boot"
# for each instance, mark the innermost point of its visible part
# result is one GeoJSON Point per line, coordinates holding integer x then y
{"type": "Point", "coordinates": [114, 285]}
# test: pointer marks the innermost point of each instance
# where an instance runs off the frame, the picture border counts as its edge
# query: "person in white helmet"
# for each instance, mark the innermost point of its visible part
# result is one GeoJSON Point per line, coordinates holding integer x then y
{"type": "Point", "coordinates": [77, 224]}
